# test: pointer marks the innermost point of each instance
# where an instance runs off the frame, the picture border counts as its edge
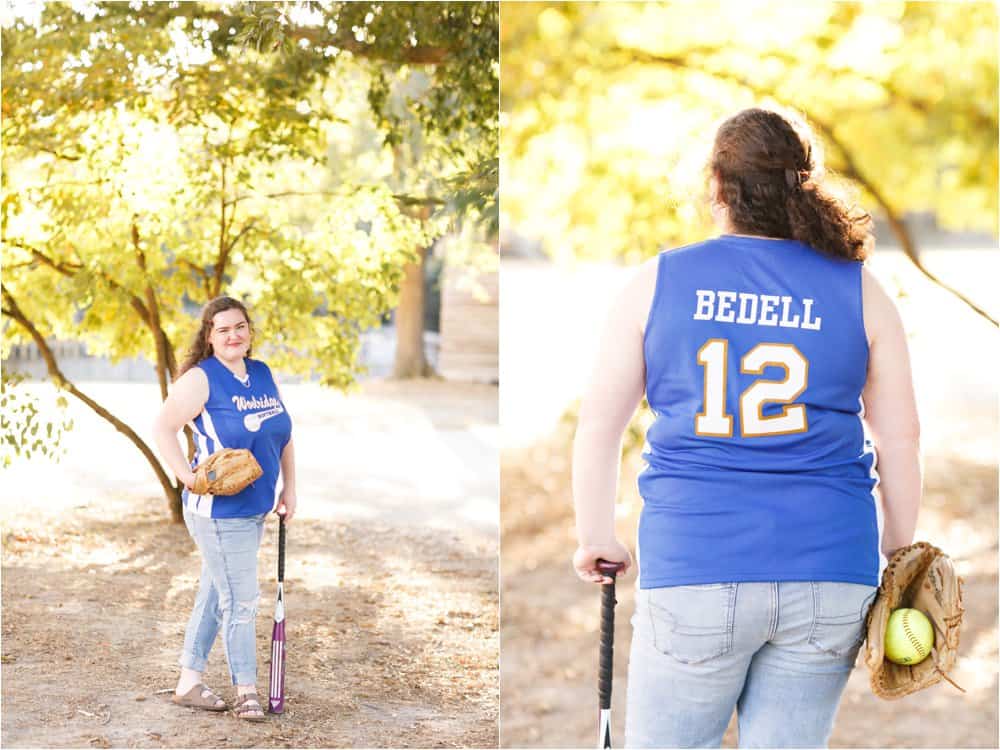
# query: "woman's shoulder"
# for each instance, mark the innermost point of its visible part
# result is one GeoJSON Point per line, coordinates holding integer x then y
{"type": "Point", "coordinates": [632, 301]}
{"type": "Point", "coordinates": [193, 381]}
{"type": "Point", "coordinates": [639, 277]}
{"type": "Point", "coordinates": [644, 275]}
{"type": "Point", "coordinates": [196, 371]}
{"type": "Point", "coordinates": [642, 283]}
{"type": "Point", "coordinates": [878, 308]}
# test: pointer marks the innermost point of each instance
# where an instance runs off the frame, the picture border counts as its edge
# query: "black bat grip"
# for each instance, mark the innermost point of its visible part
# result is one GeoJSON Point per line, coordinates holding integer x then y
{"type": "Point", "coordinates": [608, 601]}
{"type": "Point", "coordinates": [281, 549]}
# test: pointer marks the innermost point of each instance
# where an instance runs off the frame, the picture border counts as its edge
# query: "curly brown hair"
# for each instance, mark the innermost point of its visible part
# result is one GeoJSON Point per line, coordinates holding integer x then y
{"type": "Point", "coordinates": [200, 348]}
{"type": "Point", "coordinates": [770, 180]}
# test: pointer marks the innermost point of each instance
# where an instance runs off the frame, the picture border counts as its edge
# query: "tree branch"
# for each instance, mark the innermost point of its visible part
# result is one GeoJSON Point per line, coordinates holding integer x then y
{"type": "Point", "coordinates": [13, 310]}
{"type": "Point", "coordinates": [914, 102]}
{"type": "Point", "coordinates": [419, 55]}
{"type": "Point", "coordinates": [205, 278]}
{"type": "Point", "coordinates": [239, 235]}
{"type": "Point", "coordinates": [71, 269]}
{"type": "Point", "coordinates": [895, 222]}
{"type": "Point", "coordinates": [58, 154]}
{"type": "Point", "coordinates": [410, 200]}
{"type": "Point", "coordinates": [344, 39]}
{"type": "Point", "coordinates": [159, 339]}
{"type": "Point", "coordinates": [63, 183]}
{"type": "Point", "coordinates": [223, 259]}
{"type": "Point", "coordinates": [66, 269]}
{"type": "Point", "coordinates": [922, 106]}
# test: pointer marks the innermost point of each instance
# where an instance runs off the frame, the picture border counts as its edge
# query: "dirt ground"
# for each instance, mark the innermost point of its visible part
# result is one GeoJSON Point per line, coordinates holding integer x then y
{"type": "Point", "coordinates": [390, 583]}
{"type": "Point", "coordinates": [550, 619]}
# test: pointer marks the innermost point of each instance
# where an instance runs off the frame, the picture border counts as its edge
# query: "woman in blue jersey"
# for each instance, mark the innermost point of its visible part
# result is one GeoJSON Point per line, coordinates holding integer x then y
{"type": "Point", "coordinates": [230, 401]}
{"type": "Point", "coordinates": [774, 364]}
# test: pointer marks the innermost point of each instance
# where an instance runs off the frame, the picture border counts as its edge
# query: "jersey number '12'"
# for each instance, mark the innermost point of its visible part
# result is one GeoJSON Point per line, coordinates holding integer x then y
{"type": "Point", "coordinates": [714, 421]}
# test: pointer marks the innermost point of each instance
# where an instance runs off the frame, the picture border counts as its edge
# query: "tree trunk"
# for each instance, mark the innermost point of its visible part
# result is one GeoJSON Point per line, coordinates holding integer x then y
{"type": "Point", "coordinates": [411, 362]}
{"type": "Point", "coordinates": [176, 508]}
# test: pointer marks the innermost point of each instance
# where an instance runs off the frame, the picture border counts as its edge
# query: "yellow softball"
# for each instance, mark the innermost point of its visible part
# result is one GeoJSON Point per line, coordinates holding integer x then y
{"type": "Point", "coordinates": [909, 637]}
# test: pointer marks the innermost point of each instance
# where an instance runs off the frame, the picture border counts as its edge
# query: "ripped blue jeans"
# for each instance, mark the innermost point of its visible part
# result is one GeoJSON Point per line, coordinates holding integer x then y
{"type": "Point", "coordinates": [228, 594]}
{"type": "Point", "coordinates": [778, 653]}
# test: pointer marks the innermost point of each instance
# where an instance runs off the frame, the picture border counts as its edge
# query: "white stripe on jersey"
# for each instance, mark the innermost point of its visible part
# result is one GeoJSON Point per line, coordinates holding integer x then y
{"type": "Point", "coordinates": [206, 418]}
{"type": "Point", "coordinates": [883, 561]}
{"type": "Point", "coordinates": [868, 447]}
{"type": "Point", "coordinates": [203, 503]}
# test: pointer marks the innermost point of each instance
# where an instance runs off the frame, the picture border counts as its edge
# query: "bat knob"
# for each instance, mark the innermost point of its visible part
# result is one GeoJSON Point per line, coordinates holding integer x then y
{"type": "Point", "coordinates": [609, 568]}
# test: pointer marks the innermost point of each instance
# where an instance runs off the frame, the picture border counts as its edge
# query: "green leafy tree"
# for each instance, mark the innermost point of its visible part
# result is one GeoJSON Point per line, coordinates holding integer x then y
{"type": "Point", "coordinates": [454, 44]}
{"type": "Point", "coordinates": [608, 110]}
{"type": "Point", "coordinates": [150, 162]}
{"type": "Point", "coordinates": [26, 427]}
{"type": "Point", "coordinates": [434, 88]}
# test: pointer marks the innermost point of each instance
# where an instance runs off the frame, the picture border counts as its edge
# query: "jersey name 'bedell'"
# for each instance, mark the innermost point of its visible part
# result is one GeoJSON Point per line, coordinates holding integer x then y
{"type": "Point", "coordinates": [747, 308]}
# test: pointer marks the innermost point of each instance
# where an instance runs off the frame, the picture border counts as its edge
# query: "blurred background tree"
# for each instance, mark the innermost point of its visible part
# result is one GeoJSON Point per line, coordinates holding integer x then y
{"type": "Point", "coordinates": [429, 121]}
{"type": "Point", "coordinates": [156, 155]}
{"type": "Point", "coordinates": [608, 111]}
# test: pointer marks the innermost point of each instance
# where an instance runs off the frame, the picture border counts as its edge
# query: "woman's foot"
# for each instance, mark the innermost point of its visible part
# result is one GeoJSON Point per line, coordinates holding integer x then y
{"type": "Point", "coordinates": [201, 697]}
{"type": "Point", "coordinates": [188, 679]}
{"type": "Point", "coordinates": [248, 707]}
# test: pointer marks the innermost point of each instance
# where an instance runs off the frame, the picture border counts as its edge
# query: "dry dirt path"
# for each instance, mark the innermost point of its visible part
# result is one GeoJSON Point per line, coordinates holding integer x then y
{"type": "Point", "coordinates": [391, 582]}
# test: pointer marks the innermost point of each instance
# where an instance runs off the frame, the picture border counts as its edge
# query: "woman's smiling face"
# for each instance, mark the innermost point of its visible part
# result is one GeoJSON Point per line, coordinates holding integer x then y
{"type": "Point", "coordinates": [230, 336]}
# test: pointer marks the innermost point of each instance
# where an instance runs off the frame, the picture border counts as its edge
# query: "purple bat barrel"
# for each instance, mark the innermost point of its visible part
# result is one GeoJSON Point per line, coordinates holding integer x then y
{"type": "Point", "coordinates": [276, 693]}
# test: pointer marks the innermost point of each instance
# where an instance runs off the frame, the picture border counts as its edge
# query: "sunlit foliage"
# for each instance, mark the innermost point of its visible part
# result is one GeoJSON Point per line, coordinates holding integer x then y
{"type": "Point", "coordinates": [608, 110]}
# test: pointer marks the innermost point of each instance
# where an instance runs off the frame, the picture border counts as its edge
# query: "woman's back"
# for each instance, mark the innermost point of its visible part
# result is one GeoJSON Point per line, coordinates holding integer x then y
{"type": "Point", "coordinates": [756, 356]}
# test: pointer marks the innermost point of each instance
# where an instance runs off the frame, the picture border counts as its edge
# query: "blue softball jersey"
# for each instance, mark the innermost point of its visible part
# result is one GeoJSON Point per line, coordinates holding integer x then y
{"type": "Point", "coordinates": [758, 467]}
{"type": "Point", "coordinates": [240, 414]}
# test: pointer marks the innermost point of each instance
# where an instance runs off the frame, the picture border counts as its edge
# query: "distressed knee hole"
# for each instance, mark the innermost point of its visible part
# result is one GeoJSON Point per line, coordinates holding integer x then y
{"type": "Point", "coordinates": [246, 611]}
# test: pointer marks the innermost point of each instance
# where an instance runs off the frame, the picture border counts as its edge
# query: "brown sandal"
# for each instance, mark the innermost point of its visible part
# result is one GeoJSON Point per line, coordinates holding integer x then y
{"type": "Point", "coordinates": [200, 697]}
{"type": "Point", "coordinates": [248, 706]}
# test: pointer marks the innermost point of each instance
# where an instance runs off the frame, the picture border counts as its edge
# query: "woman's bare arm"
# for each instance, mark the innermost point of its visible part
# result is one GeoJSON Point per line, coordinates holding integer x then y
{"type": "Point", "coordinates": [611, 396]}
{"type": "Point", "coordinates": [185, 401]}
{"type": "Point", "coordinates": [891, 414]}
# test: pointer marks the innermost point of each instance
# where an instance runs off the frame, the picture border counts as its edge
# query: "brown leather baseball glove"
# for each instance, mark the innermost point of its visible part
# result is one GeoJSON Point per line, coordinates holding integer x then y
{"type": "Point", "coordinates": [921, 577]}
{"type": "Point", "coordinates": [226, 472]}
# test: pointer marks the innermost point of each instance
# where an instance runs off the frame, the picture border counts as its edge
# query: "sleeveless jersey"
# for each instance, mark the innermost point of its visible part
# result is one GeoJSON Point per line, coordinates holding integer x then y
{"type": "Point", "coordinates": [240, 416]}
{"type": "Point", "coordinates": [758, 465]}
